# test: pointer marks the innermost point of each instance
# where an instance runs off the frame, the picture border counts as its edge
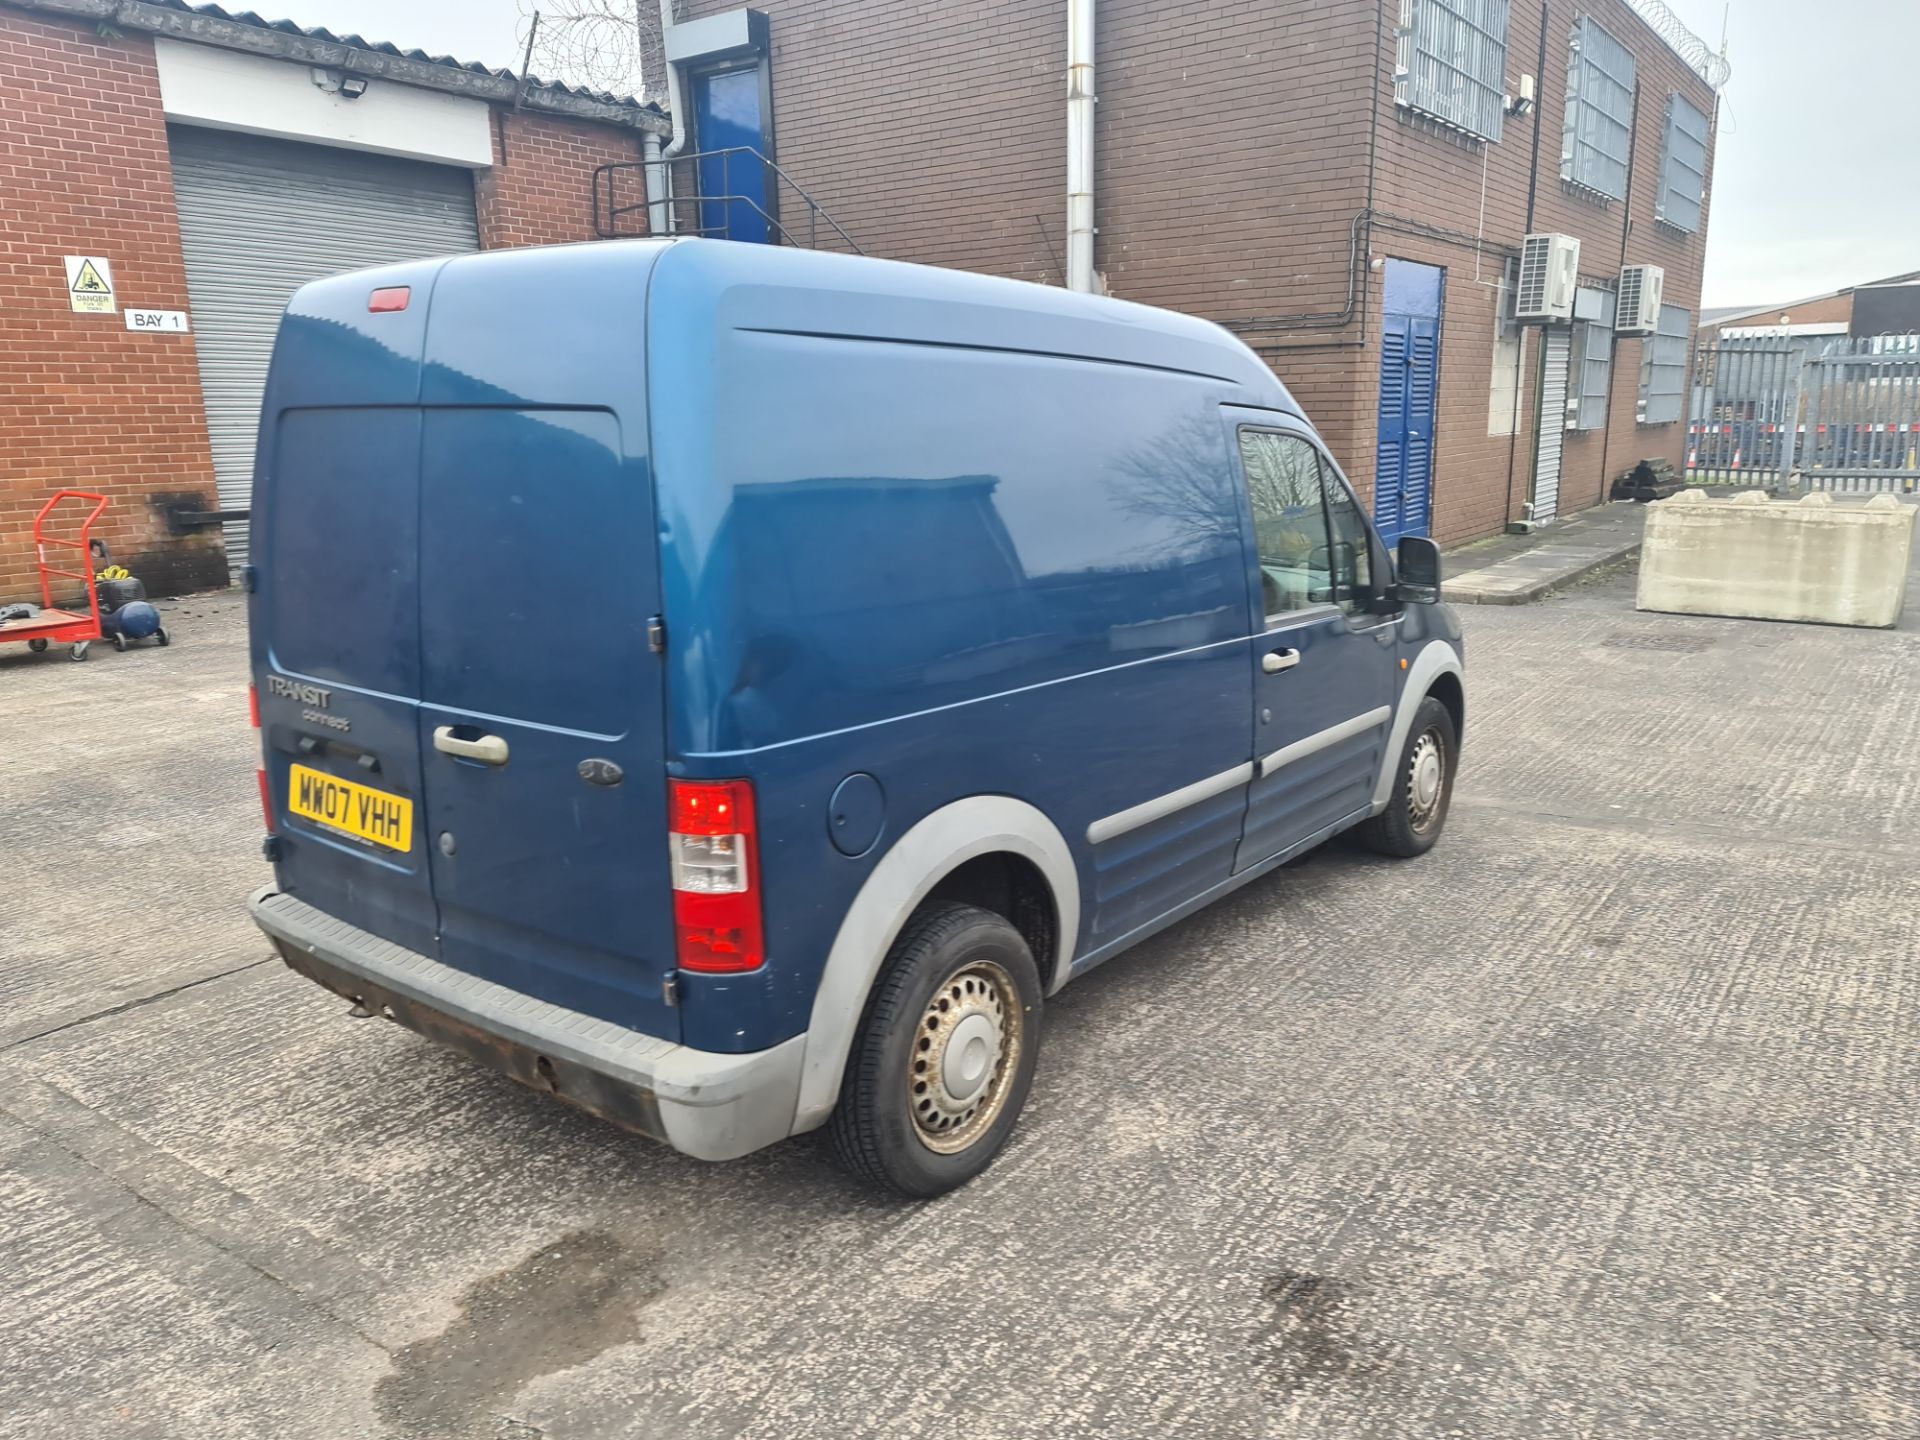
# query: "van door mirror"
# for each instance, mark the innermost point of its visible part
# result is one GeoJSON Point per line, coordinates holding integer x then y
{"type": "Point", "coordinates": [1417, 571]}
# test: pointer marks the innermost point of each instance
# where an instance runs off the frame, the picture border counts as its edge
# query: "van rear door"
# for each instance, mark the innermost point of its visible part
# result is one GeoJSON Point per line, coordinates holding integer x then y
{"type": "Point", "coordinates": [541, 722]}
{"type": "Point", "coordinates": [335, 636]}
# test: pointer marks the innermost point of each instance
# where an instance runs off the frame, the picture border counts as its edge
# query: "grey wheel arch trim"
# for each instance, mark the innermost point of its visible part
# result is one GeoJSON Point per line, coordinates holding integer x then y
{"type": "Point", "coordinates": [906, 874]}
{"type": "Point", "coordinates": [1436, 658]}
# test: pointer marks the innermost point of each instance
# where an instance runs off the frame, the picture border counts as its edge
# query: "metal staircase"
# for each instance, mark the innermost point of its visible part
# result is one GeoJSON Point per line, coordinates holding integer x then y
{"type": "Point", "coordinates": [732, 194]}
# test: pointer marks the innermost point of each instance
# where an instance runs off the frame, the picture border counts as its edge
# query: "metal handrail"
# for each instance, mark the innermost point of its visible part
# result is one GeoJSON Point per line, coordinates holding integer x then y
{"type": "Point", "coordinates": [607, 212]}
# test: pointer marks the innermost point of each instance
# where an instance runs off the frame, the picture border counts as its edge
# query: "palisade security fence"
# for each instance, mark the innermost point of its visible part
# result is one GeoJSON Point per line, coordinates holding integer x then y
{"type": "Point", "coordinates": [1823, 412]}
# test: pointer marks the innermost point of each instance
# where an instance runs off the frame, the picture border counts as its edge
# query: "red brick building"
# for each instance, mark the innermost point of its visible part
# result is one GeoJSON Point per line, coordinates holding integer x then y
{"type": "Point", "coordinates": [1330, 178]}
{"type": "Point", "coordinates": [214, 164]}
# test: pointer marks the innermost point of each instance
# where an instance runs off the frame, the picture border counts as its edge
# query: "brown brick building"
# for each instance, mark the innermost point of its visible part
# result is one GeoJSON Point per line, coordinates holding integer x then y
{"type": "Point", "coordinates": [1308, 172]}
{"type": "Point", "coordinates": [214, 164]}
{"type": "Point", "coordinates": [1878, 307]}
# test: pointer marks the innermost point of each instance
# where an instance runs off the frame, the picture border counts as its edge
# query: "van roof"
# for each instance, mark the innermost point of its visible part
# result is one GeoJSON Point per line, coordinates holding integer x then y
{"type": "Point", "coordinates": [782, 288]}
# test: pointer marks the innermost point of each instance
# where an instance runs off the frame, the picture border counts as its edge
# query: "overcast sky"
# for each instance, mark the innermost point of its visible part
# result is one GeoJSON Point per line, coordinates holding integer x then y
{"type": "Point", "coordinates": [1814, 187]}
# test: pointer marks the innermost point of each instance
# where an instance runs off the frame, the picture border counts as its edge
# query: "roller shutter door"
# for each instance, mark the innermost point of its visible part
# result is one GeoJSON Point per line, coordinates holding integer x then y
{"type": "Point", "coordinates": [1552, 424]}
{"type": "Point", "coordinates": [260, 218]}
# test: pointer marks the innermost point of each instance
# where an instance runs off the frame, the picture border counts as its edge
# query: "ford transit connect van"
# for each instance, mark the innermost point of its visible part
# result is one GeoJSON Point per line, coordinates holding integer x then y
{"type": "Point", "coordinates": [733, 687]}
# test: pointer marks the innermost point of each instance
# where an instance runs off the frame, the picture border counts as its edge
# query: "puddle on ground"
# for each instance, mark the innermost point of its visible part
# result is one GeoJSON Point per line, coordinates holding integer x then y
{"type": "Point", "coordinates": [566, 1303]}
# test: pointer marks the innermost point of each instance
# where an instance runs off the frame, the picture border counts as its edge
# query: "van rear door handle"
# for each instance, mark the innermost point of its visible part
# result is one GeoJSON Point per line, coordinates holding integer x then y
{"type": "Point", "coordinates": [488, 749]}
{"type": "Point", "coordinates": [1274, 661]}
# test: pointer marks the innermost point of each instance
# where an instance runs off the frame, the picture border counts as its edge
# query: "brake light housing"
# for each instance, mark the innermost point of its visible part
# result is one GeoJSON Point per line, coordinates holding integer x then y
{"type": "Point", "coordinates": [713, 841]}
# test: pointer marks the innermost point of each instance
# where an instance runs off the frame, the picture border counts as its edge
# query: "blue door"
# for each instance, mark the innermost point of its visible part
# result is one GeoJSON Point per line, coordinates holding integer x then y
{"type": "Point", "coordinates": [727, 119]}
{"type": "Point", "coordinates": [1409, 379]}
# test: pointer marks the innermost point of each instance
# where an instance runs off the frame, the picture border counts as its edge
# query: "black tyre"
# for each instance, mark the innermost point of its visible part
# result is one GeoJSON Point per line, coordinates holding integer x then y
{"type": "Point", "coordinates": [1422, 786]}
{"type": "Point", "coordinates": [79, 651]}
{"type": "Point", "coordinates": [38, 647]}
{"type": "Point", "coordinates": [120, 643]}
{"type": "Point", "coordinates": [945, 1054]}
{"type": "Point", "coordinates": [162, 636]}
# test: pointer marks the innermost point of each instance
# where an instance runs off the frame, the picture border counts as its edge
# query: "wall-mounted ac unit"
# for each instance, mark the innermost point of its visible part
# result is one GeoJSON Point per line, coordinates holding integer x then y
{"type": "Point", "coordinates": [1549, 274]}
{"type": "Point", "coordinates": [1638, 312]}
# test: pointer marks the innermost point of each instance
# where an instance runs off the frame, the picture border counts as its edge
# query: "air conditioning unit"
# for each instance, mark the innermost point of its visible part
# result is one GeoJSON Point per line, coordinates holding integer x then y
{"type": "Point", "coordinates": [1549, 274]}
{"type": "Point", "coordinates": [1638, 312]}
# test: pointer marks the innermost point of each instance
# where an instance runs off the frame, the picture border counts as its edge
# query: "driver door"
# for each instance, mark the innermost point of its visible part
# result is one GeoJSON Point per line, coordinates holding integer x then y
{"type": "Point", "coordinates": [1323, 662]}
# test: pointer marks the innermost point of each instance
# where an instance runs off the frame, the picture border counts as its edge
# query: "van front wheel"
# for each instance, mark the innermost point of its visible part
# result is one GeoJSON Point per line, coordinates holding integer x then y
{"type": "Point", "coordinates": [1422, 786]}
{"type": "Point", "coordinates": [945, 1054]}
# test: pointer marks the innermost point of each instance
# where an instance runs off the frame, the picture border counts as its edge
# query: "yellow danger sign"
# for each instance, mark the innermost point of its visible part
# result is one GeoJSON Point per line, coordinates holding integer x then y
{"type": "Point", "coordinates": [90, 284]}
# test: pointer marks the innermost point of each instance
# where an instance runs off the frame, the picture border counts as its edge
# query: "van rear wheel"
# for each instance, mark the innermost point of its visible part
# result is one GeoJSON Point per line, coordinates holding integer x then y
{"type": "Point", "coordinates": [945, 1054]}
{"type": "Point", "coordinates": [1422, 786]}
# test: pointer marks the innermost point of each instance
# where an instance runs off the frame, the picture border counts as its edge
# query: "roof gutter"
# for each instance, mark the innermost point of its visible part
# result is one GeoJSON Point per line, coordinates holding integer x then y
{"type": "Point", "coordinates": [274, 44]}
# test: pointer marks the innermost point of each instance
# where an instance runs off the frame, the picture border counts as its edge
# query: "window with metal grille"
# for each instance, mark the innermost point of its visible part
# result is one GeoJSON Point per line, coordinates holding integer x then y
{"type": "Point", "coordinates": [1683, 165]}
{"type": "Point", "coordinates": [1663, 368]}
{"type": "Point", "coordinates": [1593, 355]}
{"type": "Point", "coordinates": [1452, 63]}
{"type": "Point", "coordinates": [1599, 119]}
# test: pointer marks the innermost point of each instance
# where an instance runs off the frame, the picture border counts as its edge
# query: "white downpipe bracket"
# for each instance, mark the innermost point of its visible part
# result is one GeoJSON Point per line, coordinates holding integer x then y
{"type": "Point", "coordinates": [1080, 102]}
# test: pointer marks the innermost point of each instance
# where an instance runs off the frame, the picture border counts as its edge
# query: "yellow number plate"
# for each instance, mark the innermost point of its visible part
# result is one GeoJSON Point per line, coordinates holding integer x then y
{"type": "Point", "coordinates": [356, 810]}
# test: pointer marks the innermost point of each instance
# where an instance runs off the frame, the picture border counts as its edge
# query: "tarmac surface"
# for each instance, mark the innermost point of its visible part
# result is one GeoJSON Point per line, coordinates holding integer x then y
{"type": "Point", "coordinates": [1597, 1121]}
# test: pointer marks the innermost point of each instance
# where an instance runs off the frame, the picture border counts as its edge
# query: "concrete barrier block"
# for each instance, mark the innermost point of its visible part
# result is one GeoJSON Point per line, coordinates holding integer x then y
{"type": "Point", "coordinates": [1767, 559]}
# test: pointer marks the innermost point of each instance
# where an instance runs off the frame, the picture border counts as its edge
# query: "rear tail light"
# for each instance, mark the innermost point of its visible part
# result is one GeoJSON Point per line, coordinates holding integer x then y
{"type": "Point", "coordinates": [389, 298]}
{"type": "Point", "coordinates": [266, 791]}
{"type": "Point", "coordinates": [716, 884]}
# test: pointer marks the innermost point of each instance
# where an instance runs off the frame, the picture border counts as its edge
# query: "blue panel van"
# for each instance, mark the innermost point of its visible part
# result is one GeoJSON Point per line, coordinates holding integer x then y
{"type": "Point", "coordinates": [732, 687]}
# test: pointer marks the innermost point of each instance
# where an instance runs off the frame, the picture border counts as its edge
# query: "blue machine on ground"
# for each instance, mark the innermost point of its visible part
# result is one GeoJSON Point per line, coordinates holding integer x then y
{"type": "Point", "coordinates": [732, 687]}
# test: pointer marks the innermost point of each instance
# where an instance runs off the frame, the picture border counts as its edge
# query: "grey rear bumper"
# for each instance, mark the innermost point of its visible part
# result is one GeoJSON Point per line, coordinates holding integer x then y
{"type": "Point", "coordinates": [711, 1106]}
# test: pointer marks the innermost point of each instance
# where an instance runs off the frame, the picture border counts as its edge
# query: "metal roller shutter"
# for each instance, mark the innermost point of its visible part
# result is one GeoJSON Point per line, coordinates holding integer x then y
{"type": "Point", "coordinates": [260, 218]}
{"type": "Point", "coordinates": [1552, 424]}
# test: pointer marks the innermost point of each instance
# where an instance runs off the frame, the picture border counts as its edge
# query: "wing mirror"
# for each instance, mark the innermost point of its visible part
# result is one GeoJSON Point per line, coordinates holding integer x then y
{"type": "Point", "coordinates": [1417, 571]}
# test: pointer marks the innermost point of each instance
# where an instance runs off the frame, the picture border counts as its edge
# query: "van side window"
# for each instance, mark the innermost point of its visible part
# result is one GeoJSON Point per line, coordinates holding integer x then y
{"type": "Point", "coordinates": [1289, 520]}
{"type": "Point", "coordinates": [1352, 562]}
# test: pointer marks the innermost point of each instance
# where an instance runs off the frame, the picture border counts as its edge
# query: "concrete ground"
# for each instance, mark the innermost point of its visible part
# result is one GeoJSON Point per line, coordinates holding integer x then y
{"type": "Point", "coordinates": [1597, 1121]}
{"type": "Point", "coordinates": [1520, 569]}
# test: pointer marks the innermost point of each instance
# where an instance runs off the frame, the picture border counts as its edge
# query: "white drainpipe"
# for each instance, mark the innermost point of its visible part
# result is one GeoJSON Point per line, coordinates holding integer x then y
{"type": "Point", "coordinates": [659, 210]}
{"type": "Point", "coordinates": [660, 177]}
{"type": "Point", "coordinates": [1080, 146]}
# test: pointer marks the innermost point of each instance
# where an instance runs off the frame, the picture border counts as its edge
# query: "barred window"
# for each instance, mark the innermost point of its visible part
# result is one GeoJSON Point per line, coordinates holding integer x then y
{"type": "Point", "coordinates": [1599, 119]}
{"type": "Point", "coordinates": [1683, 165]}
{"type": "Point", "coordinates": [1452, 62]}
{"type": "Point", "coordinates": [1663, 367]}
{"type": "Point", "coordinates": [1593, 347]}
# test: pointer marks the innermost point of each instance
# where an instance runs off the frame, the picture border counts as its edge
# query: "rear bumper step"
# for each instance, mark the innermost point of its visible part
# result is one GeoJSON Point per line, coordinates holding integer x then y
{"type": "Point", "coordinates": [710, 1106]}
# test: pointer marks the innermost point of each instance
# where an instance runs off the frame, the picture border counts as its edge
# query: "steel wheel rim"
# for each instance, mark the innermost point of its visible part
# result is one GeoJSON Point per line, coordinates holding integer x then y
{"type": "Point", "coordinates": [966, 1052]}
{"type": "Point", "coordinates": [1426, 779]}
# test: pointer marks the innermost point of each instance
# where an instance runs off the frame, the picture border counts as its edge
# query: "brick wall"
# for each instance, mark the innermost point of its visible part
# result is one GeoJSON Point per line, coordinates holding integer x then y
{"type": "Point", "coordinates": [936, 133]}
{"type": "Point", "coordinates": [1482, 481]}
{"type": "Point", "coordinates": [85, 403]}
{"type": "Point", "coordinates": [1236, 144]}
{"type": "Point", "coordinates": [932, 131]}
{"type": "Point", "coordinates": [539, 191]}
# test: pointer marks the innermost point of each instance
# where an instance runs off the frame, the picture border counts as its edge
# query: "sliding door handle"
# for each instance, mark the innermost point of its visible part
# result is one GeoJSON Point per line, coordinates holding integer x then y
{"type": "Point", "coordinates": [1274, 661]}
